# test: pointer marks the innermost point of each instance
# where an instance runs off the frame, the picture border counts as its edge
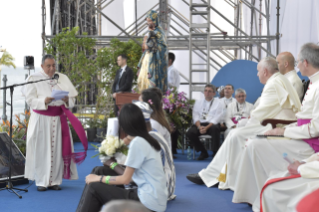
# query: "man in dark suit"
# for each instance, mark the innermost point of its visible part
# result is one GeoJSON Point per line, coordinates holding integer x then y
{"type": "Point", "coordinates": [123, 79]}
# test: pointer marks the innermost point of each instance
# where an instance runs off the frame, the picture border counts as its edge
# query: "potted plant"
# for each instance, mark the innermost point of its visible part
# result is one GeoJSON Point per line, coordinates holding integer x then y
{"type": "Point", "coordinates": [91, 130]}
{"type": "Point", "coordinates": [101, 130]}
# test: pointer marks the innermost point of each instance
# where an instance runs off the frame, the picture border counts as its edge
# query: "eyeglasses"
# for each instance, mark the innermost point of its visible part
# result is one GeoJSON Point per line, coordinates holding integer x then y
{"type": "Point", "coordinates": [241, 96]}
{"type": "Point", "coordinates": [297, 61]}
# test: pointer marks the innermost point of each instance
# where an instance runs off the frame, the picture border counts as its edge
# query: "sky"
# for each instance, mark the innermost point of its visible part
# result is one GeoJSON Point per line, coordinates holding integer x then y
{"type": "Point", "coordinates": [20, 29]}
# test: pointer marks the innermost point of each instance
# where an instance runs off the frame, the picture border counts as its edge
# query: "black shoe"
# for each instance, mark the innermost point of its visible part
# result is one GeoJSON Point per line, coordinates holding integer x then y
{"type": "Point", "coordinates": [55, 187]}
{"type": "Point", "coordinates": [41, 188]}
{"type": "Point", "coordinates": [203, 156]}
{"type": "Point", "coordinates": [195, 178]}
{"type": "Point", "coordinates": [174, 157]}
{"type": "Point", "coordinates": [174, 151]}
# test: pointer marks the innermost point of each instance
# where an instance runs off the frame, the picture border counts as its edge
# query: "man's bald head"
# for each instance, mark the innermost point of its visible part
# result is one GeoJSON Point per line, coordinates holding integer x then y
{"type": "Point", "coordinates": [286, 62]}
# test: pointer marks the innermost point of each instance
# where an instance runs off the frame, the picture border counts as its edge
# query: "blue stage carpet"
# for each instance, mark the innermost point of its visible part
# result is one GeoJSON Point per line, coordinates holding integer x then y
{"type": "Point", "coordinates": [190, 197]}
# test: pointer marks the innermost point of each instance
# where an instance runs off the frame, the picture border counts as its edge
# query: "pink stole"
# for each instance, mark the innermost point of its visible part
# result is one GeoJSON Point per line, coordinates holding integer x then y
{"type": "Point", "coordinates": [234, 120]}
{"type": "Point", "coordinates": [67, 154]}
{"type": "Point", "coordinates": [313, 142]}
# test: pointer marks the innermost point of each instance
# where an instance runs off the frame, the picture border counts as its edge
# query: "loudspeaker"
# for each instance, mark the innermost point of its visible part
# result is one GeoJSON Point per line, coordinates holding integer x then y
{"type": "Point", "coordinates": [17, 159]}
{"type": "Point", "coordinates": [28, 62]}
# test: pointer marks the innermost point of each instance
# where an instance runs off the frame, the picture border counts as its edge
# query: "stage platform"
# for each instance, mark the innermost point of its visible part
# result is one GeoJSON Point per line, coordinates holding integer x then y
{"type": "Point", "coordinates": [190, 197]}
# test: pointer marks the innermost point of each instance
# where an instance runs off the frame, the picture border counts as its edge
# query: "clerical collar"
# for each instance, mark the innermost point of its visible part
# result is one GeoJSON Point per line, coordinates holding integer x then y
{"type": "Point", "coordinates": [312, 77]}
{"type": "Point", "coordinates": [43, 73]}
{"type": "Point", "coordinates": [228, 99]}
{"type": "Point", "coordinates": [289, 72]}
{"type": "Point", "coordinates": [242, 103]}
{"type": "Point", "coordinates": [272, 76]}
{"type": "Point", "coordinates": [209, 101]}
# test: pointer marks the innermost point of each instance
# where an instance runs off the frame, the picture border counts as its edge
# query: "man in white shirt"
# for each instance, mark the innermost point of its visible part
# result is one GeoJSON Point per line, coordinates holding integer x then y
{"type": "Point", "coordinates": [263, 158]}
{"type": "Point", "coordinates": [226, 100]}
{"type": "Point", "coordinates": [172, 73]}
{"type": "Point", "coordinates": [286, 65]}
{"type": "Point", "coordinates": [207, 114]}
{"type": "Point", "coordinates": [238, 111]}
{"type": "Point", "coordinates": [279, 100]}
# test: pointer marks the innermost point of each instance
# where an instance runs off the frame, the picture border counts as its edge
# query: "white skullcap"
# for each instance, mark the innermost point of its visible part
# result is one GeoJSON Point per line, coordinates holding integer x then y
{"type": "Point", "coordinates": [220, 88]}
{"type": "Point", "coordinates": [145, 108]}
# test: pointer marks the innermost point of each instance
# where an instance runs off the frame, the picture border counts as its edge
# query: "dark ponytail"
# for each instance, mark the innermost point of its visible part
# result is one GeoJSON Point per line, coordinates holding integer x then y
{"type": "Point", "coordinates": [153, 97]}
{"type": "Point", "coordinates": [132, 121]}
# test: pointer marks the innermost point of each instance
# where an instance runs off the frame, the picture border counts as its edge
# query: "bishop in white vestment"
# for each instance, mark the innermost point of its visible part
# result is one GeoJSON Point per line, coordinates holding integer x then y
{"type": "Point", "coordinates": [226, 101]}
{"type": "Point", "coordinates": [263, 158]}
{"type": "Point", "coordinates": [279, 100]}
{"type": "Point", "coordinates": [286, 65]}
{"type": "Point", "coordinates": [286, 189]}
{"type": "Point", "coordinates": [238, 111]}
{"type": "Point", "coordinates": [296, 82]}
{"type": "Point", "coordinates": [44, 159]}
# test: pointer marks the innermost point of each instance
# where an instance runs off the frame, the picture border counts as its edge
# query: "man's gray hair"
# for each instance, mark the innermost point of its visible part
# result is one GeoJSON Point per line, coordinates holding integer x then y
{"type": "Point", "coordinates": [310, 52]}
{"type": "Point", "coordinates": [270, 64]}
{"type": "Point", "coordinates": [240, 90]}
{"type": "Point", "coordinates": [211, 86]}
{"type": "Point", "coordinates": [47, 56]}
{"type": "Point", "coordinates": [124, 206]}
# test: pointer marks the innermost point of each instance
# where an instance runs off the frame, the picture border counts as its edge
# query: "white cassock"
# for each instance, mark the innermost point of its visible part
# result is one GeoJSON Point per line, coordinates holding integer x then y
{"type": "Point", "coordinates": [279, 100]}
{"type": "Point", "coordinates": [44, 162]}
{"type": "Point", "coordinates": [263, 158]}
{"type": "Point", "coordinates": [239, 112]}
{"type": "Point", "coordinates": [285, 195]}
{"type": "Point", "coordinates": [225, 101]}
{"type": "Point", "coordinates": [296, 82]}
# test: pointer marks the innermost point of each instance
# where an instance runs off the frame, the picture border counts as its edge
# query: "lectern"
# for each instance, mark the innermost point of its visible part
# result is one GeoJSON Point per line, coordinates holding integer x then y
{"type": "Point", "coordinates": [124, 98]}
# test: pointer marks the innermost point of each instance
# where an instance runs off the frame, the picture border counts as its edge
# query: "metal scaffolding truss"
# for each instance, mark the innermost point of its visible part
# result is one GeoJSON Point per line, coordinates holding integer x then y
{"type": "Point", "coordinates": [224, 48]}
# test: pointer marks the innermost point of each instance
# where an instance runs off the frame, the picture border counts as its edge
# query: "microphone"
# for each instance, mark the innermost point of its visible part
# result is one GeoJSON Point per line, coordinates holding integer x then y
{"type": "Point", "coordinates": [56, 77]}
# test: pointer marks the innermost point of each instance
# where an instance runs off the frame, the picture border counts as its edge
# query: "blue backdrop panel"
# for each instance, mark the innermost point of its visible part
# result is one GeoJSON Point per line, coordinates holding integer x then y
{"type": "Point", "coordinates": [302, 77]}
{"type": "Point", "coordinates": [241, 74]}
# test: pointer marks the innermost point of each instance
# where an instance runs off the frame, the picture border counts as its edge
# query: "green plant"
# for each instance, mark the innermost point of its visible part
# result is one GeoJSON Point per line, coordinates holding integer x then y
{"type": "Point", "coordinates": [178, 109]}
{"type": "Point", "coordinates": [92, 123]}
{"type": "Point", "coordinates": [19, 131]}
{"type": "Point", "coordinates": [103, 123]}
{"type": "Point", "coordinates": [106, 62]}
{"type": "Point", "coordinates": [76, 55]}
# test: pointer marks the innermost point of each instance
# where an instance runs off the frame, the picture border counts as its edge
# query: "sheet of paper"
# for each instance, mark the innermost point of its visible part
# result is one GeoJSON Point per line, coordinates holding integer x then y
{"type": "Point", "coordinates": [58, 95]}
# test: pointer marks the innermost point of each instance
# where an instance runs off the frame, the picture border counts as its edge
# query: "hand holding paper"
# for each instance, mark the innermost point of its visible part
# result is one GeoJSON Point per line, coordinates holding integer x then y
{"type": "Point", "coordinates": [58, 95]}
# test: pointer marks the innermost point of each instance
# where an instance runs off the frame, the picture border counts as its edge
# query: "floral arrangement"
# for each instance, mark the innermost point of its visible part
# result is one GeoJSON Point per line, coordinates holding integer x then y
{"type": "Point", "coordinates": [110, 147]}
{"type": "Point", "coordinates": [178, 109]}
{"type": "Point", "coordinates": [19, 130]}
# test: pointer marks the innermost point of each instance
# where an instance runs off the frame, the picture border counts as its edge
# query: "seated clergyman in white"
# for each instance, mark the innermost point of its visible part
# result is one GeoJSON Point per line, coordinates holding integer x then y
{"type": "Point", "coordinates": [286, 66]}
{"type": "Point", "coordinates": [238, 111]}
{"type": "Point", "coordinates": [287, 188]}
{"type": "Point", "coordinates": [279, 100]}
{"type": "Point", "coordinates": [262, 158]}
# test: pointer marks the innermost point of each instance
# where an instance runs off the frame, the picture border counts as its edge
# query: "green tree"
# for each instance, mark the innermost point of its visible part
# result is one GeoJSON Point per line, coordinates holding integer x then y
{"type": "Point", "coordinates": [76, 55]}
{"type": "Point", "coordinates": [106, 62]}
{"type": "Point", "coordinates": [6, 60]}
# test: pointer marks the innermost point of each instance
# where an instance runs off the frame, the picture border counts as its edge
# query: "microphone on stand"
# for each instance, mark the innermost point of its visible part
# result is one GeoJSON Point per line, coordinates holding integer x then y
{"type": "Point", "coordinates": [56, 77]}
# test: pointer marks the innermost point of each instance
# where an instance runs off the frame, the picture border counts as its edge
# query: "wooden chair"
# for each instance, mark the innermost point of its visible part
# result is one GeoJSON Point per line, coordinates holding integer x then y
{"type": "Point", "coordinates": [276, 122]}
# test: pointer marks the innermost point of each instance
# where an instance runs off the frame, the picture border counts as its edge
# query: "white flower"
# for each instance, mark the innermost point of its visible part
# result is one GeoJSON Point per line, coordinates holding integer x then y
{"type": "Point", "coordinates": [110, 145]}
{"type": "Point", "coordinates": [110, 151]}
